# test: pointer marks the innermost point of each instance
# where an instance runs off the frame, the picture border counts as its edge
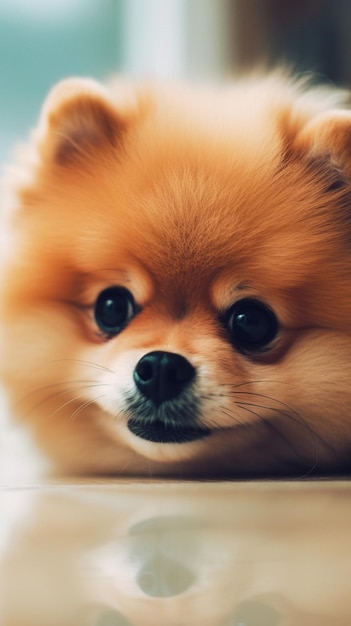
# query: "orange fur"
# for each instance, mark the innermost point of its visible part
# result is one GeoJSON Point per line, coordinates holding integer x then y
{"type": "Point", "coordinates": [192, 199]}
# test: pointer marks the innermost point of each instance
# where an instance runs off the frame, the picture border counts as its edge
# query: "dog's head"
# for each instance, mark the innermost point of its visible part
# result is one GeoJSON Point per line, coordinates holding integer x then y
{"type": "Point", "coordinates": [177, 292]}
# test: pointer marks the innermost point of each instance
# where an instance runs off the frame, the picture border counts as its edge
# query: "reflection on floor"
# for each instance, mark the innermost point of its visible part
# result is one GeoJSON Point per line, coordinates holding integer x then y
{"type": "Point", "coordinates": [177, 554]}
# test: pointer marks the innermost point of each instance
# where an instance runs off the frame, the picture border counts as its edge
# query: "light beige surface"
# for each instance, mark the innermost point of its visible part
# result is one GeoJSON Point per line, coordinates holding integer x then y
{"type": "Point", "coordinates": [177, 554]}
{"type": "Point", "coordinates": [121, 553]}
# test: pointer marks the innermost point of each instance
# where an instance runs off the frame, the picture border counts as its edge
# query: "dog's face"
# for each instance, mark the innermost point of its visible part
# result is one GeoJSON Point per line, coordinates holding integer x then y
{"type": "Point", "coordinates": [177, 293]}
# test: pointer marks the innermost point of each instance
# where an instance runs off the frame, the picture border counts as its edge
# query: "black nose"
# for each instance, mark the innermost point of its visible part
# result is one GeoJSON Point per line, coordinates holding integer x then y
{"type": "Point", "coordinates": [161, 376]}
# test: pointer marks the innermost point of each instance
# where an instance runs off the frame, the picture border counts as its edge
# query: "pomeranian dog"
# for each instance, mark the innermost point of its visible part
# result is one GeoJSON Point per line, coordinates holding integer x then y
{"type": "Point", "coordinates": [176, 279]}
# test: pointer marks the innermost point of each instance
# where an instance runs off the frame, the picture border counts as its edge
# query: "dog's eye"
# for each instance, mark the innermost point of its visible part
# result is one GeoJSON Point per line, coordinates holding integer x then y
{"type": "Point", "coordinates": [252, 325]}
{"type": "Point", "coordinates": [114, 308]}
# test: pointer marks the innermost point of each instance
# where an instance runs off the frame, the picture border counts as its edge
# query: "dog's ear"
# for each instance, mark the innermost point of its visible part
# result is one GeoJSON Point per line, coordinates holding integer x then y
{"type": "Point", "coordinates": [79, 118]}
{"type": "Point", "coordinates": [328, 135]}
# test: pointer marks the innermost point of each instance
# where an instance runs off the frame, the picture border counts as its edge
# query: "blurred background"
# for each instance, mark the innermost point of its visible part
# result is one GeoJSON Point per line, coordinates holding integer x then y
{"type": "Point", "coordinates": [42, 41]}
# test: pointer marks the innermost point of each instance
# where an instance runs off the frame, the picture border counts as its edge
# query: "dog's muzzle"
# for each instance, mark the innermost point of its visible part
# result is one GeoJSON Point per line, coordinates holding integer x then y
{"type": "Point", "coordinates": [164, 410]}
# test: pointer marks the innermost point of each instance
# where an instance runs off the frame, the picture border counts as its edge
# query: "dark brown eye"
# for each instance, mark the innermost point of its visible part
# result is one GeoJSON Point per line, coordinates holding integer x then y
{"type": "Point", "coordinates": [114, 308]}
{"type": "Point", "coordinates": [252, 325]}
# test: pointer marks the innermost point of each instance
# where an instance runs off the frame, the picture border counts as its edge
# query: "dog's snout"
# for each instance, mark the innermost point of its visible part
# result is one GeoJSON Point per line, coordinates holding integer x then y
{"type": "Point", "coordinates": [161, 376]}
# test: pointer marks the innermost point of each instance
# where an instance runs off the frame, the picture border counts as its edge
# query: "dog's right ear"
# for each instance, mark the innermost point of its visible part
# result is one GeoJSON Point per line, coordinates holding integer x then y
{"type": "Point", "coordinates": [328, 135]}
{"type": "Point", "coordinates": [79, 119]}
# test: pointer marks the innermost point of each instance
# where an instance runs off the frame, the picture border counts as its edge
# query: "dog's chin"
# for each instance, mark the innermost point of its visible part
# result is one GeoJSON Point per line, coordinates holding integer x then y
{"type": "Point", "coordinates": [175, 421]}
{"type": "Point", "coordinates": [158, 432]}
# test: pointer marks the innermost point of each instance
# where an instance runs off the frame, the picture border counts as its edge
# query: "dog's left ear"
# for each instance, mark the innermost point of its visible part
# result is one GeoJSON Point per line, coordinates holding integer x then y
{"type": "Point", "coordinates": [327, 135]}
{"type": "Point", "coordinates": [79, 117]}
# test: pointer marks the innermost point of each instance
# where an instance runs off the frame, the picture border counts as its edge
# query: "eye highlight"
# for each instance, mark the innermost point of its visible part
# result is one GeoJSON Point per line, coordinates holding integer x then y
{"type": "Point", "coordinates": [114, 308]}
{"type": "Point", "coordinates": [252, 325]}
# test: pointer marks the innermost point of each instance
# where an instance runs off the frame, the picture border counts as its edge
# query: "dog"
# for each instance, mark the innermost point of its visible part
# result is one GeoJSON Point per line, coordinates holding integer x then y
{"type": "Point", "coordinates": [176, 279]}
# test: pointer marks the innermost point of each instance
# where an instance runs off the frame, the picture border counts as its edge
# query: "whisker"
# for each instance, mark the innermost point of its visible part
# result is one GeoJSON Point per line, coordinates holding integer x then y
{"type": "Point", "coordinates": [297, 418]}
{"type": "Point", "coordinates": [64, 383]}
{"type": "Point", "coordinates": [127, 463]}
{"type": "Point", "coordinates": [270, 425]}
{"type": "Point", "coordinates": [291, 414]}
{"type": "Point", "coordinates": [266, 397]}
{"type": "Point", "coordinates": [70, 401]}
{"type": "Point", "coordinates": [256, 382]}
{"type": "Point", "coordinates": [226, 412]}
{"type": "Point", "coordinates": [62, 393]}
{"type": "Point", "coordinates": [91, 364]}
{"type": "Point", "coordinates": [84, 406]}
{"type": "Point", "coordinates": [310, 471]}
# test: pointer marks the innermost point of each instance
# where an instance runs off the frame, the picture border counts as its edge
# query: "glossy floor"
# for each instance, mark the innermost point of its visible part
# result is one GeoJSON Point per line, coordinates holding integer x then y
{"type": "Point", "coordinates": [177, 554]}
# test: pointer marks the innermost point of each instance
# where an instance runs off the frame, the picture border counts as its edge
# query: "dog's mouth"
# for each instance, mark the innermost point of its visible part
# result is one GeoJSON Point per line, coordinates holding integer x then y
{"type": "Point", "coordinates": [158, 432]}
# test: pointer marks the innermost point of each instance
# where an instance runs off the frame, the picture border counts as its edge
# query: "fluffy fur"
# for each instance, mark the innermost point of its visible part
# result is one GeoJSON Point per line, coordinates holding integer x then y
{"type": "Point", "coordinates": [192, 199]}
